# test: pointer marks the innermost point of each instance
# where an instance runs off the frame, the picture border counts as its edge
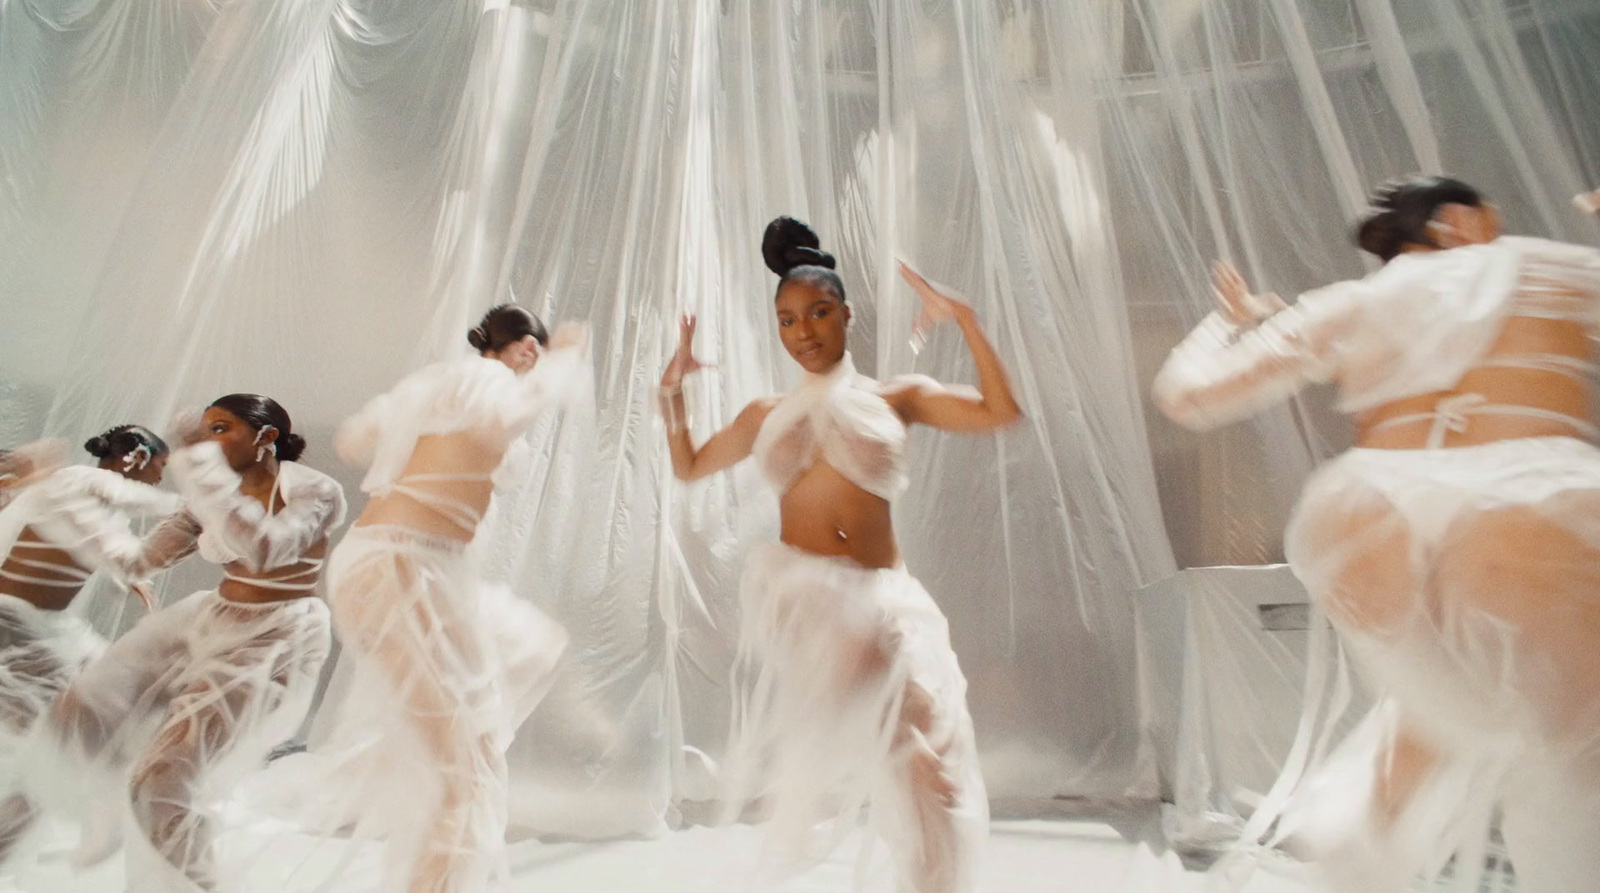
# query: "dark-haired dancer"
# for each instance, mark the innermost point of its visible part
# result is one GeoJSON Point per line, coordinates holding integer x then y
{"type": "Point", "coordinates": [448, 666]}
{"type": "Point", "coordinates": [73, 521]}
{"type": "Point", "coordinates": [200, 691]}
{"type": "Point", "coordinates": [859, 700]}
{"type": "Point", "coordinates": [1456, 549]}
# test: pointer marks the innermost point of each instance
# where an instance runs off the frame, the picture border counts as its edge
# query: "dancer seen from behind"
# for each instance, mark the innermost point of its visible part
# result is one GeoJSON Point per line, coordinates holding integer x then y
{"type": "Point", "coordinates": [198, 693]}
{"type": "Point", "coordinates": [858, 700]}
{"type": "Point", "coordinates": [1455, 549]}
{"type": "Point", "coordinates": [65, 524]}
{"type": "Point", "coordinates": [447, 665]}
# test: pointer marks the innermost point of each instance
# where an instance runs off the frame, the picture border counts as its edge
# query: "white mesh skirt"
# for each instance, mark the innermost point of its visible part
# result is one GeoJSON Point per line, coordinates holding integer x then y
{"type": "Point", "coordinates": [446, 668]}
{"type": "Point", "coordinates": [160, 727]}
{"type": "Point", "coordinates": [1465, 585]}
{"type": "Point", "coordinates": [856, 701]}
{"type": "Point", "coordinates": [40, 653]}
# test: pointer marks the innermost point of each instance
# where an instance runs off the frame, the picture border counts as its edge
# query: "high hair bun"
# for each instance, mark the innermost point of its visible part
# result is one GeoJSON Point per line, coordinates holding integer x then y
{"type": "Point", "coordinates": [98, 446]}
{"type": "Point", "coordinates": [478, 338]}
{"type": "Point", "coordinates": [788, 243]}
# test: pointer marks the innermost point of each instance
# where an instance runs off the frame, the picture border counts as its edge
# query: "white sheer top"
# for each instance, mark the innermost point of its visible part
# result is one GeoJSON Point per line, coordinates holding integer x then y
{"type": "Point", "coordinates": [89, 513]}
{"type": "Point", "coordinates": [840, 418]}
{"type": "Point", "coordinates": [237, 531]}
{"type": "Point", "coordinates": [1416, 326]}
{"type": "Point", "coordinates": [470, 394]}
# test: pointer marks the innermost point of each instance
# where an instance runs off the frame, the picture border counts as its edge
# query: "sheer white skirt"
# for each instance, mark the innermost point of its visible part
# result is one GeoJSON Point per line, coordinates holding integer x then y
{"type": "Point", "coordinates": [856, 701]}
{"type": "Point", "coordinates": [158, 729]}
{"type": "Point", "coordinates": [447, 667]}
{"type": "Point", "coordinates": [40, 653]}
{"type": "Point", "coordinates": [1465, 585]}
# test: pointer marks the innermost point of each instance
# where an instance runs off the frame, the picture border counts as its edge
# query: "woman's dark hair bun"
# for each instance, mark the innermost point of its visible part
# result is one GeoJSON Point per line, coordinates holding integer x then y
{"type": "Point", "coordinates": [505, 324]}
{"type": "Point", "coordinates": [1402, 209]}
{"type": "Point", "coordinates": [98, 446]}
{"type": "Point", "coordinates": [789, 243]}
{"type": "Point", "coordinates": [291, 447]}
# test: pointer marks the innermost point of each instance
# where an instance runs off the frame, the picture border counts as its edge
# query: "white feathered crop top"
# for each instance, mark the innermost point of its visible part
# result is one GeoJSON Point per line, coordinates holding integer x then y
{"type": "Point", "coordinates": [88, 512]}
{"type": "Point", "coordinates": [469, 394]}
{"type": "Point", "coordinates": [842, 418]}
{"type": "Point", "coordinates": [1416, 326]}
{"type": "Point", "coordinates": [231, 526]}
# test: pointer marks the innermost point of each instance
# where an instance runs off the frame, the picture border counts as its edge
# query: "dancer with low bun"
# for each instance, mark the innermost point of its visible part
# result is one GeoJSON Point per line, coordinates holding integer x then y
{"type": "Point", "coordinates": [1456, 548]}
{"type": "Point", "coordinates": [199, 692]}
{"type": "Point", "coordinates": [448, 666]}
{"type": "Point", "coordinates": [858, 700]}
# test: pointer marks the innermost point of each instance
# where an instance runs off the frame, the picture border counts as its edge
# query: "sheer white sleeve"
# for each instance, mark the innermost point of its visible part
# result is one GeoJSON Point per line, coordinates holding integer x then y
{"type": "Point", "coordinates": [90, 510]}
{"type": "Point", "coordinates": [173, 540]}
{"type": "Point", "coordinates": [357, 438]}
{"type": "Point", "coordinates": [264, 541]}
{"type": "Point", "coordinates": [1222, 373]}
{"type": "Point", "coordinates": [560, 378]}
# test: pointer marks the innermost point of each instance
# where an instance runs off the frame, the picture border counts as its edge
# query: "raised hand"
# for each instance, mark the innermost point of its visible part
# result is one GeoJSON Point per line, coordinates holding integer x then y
{"type": "Point", "coordinates": [939, 303]}
{"type": "Point", "coordinates": [1234, 299]}
{"type": "Point", "coordinates": [188, 427]}
{"type": "Point", "coordinates": [569, 334]}
{"type": "Point", "coordinates": [1587, 202]}
{"type": "Point", "coordinates": [683, 361]}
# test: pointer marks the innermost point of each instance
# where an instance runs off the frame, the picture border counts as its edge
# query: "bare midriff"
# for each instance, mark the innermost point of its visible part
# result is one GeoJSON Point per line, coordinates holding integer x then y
{"type": "Point", "coordinates": [825, 514]}
{"type": "Point", "coordinates": [463, 453]}
{"type": "Point", "coordinates": [1549, 390]}
{"type": "Point", "coordinates": [43, 596]}
{"type": "Point", "coordinates": [238, 588]}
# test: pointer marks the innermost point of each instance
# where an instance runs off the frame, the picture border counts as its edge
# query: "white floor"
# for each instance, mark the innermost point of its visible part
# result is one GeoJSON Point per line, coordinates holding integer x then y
{"type": "Point", "coordinates": [1059, 855]}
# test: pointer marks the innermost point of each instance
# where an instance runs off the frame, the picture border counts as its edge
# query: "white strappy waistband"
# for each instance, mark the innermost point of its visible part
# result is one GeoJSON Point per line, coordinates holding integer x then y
{"type": "Point", "coordinates": [1452, 415]}
{"type": "Point", "coordinates": [72, 576]}
{"type": "Point", "coordinates": [464, 516]}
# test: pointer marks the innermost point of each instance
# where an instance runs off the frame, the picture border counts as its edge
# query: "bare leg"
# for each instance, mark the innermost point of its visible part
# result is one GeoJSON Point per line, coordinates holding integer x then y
{"type": "Point", "coordinates": [435, 670]}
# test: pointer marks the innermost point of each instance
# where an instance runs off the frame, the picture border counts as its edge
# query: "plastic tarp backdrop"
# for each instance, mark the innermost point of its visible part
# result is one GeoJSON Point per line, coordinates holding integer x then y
{"type": "Point", "coordinates": [309, 198]}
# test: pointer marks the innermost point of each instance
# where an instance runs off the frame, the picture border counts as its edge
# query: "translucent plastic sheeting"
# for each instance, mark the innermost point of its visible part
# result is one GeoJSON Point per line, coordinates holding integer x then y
{"type": "Point", "coordinates": [310, 198]}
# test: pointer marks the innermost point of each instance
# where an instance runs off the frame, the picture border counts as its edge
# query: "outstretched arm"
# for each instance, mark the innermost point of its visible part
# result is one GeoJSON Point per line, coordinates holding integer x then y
{"type": "Point", "coordinates": [924, 401]}
{"type": "Point", "coordinates": [723, 449]}
{"type": "Point", "coordinates": [1252, 352]}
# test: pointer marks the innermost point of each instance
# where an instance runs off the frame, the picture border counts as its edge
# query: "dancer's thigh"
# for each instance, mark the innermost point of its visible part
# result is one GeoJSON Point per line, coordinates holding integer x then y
{"type": "Point", "coordinates": [1519, 601]}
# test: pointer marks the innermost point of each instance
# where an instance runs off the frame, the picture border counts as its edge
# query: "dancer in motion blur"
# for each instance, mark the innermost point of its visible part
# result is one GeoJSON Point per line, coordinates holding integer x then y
{"type": "Point", "coordinates": [200, 691]}
{"type": "Point", "coordinates": [1456, 549]}
{"type": "Point", "coordinates": [65, 524]}
{"type": "Point", "coordinates": [448, 665]}
{"type": "Point", "coordinates": [859, 699]}
{"type": "Point", "coordinates": [27, 464]}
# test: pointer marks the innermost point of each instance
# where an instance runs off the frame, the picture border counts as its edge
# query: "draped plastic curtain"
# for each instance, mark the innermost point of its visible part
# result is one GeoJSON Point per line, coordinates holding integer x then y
{"type": "Point", "coordinates": [308, 198]}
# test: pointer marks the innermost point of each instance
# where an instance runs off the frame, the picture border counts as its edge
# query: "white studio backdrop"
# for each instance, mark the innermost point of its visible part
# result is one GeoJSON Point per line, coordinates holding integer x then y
{"type": "Point", "coordinates": [309, 198]}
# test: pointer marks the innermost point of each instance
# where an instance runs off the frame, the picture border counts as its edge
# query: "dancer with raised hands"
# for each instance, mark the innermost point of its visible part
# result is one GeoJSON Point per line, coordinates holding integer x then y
{"type": "Point", "coordinates": [198, 693]}
{"type": "Point", "coordinates": [65, 524]}
{"type": "Point", "coordinates": [1456, 549]}
{"type": "Point", "coordinates": [858, 699]}
{"type": "Point", "coordinates": [448, 666]}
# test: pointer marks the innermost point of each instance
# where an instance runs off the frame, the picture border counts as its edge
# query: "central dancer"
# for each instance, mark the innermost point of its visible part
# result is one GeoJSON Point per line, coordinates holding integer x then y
{"type": "Point", "coordinates": [859, 701]}
{"type": "Point", "coordinates": [451, 664]}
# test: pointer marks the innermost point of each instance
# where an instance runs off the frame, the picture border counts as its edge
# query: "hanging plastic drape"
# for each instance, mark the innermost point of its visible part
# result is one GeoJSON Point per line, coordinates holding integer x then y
{"type": "Point", "coordinates": [310, 198]}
